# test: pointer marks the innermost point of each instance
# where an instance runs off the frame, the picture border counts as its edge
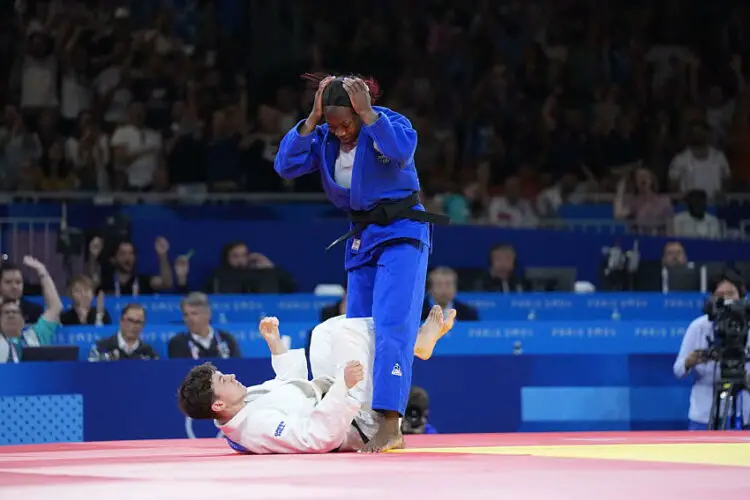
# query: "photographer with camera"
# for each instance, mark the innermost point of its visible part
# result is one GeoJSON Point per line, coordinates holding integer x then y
{"type": "Point", "coordinates": [714, 348]}
{"type": "Point", "coordinates": [415, 419]}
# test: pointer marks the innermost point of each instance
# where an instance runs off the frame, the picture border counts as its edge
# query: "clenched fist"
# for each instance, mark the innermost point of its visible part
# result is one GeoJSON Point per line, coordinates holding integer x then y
{"type": "Point", "coordinates": [269, 329]}
{"type": "Point", "coordinates": [354, 373]}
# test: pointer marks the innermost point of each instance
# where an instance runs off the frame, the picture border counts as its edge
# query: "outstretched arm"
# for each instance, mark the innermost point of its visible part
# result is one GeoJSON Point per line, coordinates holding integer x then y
{"type": "Point", "coordinates": [52, 304]}
{"type": "Point", "coordinates": [287, 364]}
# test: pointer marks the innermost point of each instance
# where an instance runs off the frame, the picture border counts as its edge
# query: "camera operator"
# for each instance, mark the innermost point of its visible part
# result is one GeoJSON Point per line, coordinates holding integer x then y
{"type": "Point", "coordinates": [694, 357]}
{"type": "Point", "coordinates": [416, 417]}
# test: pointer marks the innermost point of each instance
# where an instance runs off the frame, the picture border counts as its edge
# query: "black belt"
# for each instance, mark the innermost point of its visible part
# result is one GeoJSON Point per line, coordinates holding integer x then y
{"type": "Point", "coordinates": [362, 435]}
{"type": "Point", "coordinates": [388, 211]}
{"type": "Point", "coordinates": [356, 426]}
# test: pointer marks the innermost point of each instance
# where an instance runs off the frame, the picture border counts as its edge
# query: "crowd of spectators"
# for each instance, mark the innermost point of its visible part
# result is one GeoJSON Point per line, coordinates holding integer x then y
{"type": "Point", "coordinates": [518, 114]}
{"type": "Point", "coordinates": [521, 107]}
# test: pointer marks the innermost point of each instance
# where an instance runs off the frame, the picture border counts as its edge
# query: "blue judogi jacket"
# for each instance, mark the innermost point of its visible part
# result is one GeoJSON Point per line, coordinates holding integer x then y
{"type": "Point", "coordinates": [385, 173]}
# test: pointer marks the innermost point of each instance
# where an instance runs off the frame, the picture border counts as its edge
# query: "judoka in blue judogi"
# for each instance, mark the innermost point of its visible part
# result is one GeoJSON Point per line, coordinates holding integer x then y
{"type": "Point", "coordinates": [365, 156]}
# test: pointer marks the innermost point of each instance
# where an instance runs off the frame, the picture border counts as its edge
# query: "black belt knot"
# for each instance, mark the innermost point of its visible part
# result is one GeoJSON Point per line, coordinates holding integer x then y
{"type": "Point", "coordinates": [388, 211]}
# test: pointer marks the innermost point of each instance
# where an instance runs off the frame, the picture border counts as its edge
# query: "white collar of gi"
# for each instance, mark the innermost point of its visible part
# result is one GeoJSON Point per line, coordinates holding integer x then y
{"type": "Point", "coordinates": [236, 421]}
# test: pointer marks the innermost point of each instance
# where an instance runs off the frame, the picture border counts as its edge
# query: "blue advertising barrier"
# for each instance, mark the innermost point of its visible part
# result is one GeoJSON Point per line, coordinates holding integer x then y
{"type": "Point", "coordinates": [43, 402]}
{"type": "Point", "coordinates": [471, 338]}
{"type": "Point", "coordinates": [491, 306]}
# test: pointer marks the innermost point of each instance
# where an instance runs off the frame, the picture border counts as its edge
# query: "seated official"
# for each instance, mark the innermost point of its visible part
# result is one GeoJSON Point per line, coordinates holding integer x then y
{"type": "Point", "coordinates": [82, 293]}
{"type": "Point", "coordinates": [416, 418]}
{"type": "Point", "coordinates": [693, 359]}
{"type": "Point", "coordinates": [442, 286]}
{"type": "Point", "coordinates": [127, 342]}
{"type": "Point", "coordinates": [503, 275]}
{"type": "Point", "coordinates": [14, 335]}
{"type": "Point", "coordinates": [201, 341]}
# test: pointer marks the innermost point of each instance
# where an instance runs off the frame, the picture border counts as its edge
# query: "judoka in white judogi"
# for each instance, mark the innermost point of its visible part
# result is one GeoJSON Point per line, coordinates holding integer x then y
{"type": "Point", "coordinates": [291, 414]}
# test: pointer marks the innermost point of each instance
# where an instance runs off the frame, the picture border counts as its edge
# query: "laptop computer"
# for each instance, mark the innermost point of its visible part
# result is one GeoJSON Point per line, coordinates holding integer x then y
{"type": "Point", "coordinates": [50, 353]}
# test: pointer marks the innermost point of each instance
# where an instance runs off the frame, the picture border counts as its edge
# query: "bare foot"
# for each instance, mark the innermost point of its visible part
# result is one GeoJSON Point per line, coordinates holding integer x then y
{"type": "Point", "coordinates": [448, 322]}
{"type": "Point", "coordinates": [433, 329]}
{"type": "Point", "coordinates": [384, 440]}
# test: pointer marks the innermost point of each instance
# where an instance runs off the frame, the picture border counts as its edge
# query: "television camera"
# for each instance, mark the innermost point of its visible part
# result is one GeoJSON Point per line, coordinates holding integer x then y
{"type": "Point", "coordinates": [728, 348]}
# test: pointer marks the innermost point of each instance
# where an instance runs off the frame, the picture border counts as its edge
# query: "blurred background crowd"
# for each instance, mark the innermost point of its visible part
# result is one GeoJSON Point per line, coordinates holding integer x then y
{"type": "Point", "coordinates": [523, 108]}
{"type": "Point", "coordinates": [526, 111]}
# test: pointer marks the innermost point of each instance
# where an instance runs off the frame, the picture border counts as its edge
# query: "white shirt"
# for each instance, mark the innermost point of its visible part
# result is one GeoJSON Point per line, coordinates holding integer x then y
{"type": "Point", "coordinates": [117, 112]}
{"type": "Point", "coordinates": [719, 117]}
{"type": "Point", "coordinates": [701, 397]}
{"type": "Point", "coordinates": [503, 213]}
{"type": "Point", "coordinates": [101, 158]}
{"type": "Point", "coordinates": [7, 353]}
{"type": "Point", "coordinates": [706, 173]}
{"type": "Point", "coordinates": [125, 347]}
{"type": "Point", "coordinates": [344, 167]}
{"type": "Point", "coordinates": [12, 353]}
{"type": "Point", "coordinates": [39, 82]}
{"type": "Point", "coordinates": [76, 95]}
{"type": "Point", "coordinates": [141, 171]}
{"type": "Point", "coordinates": [550, 200]}
{"type": "Point", "coordinates": [204, 342]}
{"type": "Point", "coordinates": [688, 226]}
{"type": "Point", "coordinates": [163, 45]}
{"type": "Point", "coordinates": [661, 57]}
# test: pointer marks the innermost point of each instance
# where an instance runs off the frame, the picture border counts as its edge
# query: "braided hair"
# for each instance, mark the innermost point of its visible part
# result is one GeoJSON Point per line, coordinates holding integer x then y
{"type": "Point", "coordinates": [335, 94]}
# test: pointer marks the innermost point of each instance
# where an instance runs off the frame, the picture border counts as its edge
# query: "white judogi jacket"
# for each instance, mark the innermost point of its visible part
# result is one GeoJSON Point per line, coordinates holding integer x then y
{"type": "Point", "coordinates": [290, 415]}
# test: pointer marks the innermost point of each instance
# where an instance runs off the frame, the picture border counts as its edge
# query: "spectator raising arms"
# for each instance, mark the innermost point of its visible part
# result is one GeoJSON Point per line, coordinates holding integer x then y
{"type": "Point", "coordinates": [13, 334]}
{"type": "Point", "coordinates": [118, 274]}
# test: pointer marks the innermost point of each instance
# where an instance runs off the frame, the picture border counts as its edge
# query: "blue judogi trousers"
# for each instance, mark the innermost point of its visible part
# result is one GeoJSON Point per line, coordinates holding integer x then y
{"type": "Point", "coordinates": [391, 288]}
